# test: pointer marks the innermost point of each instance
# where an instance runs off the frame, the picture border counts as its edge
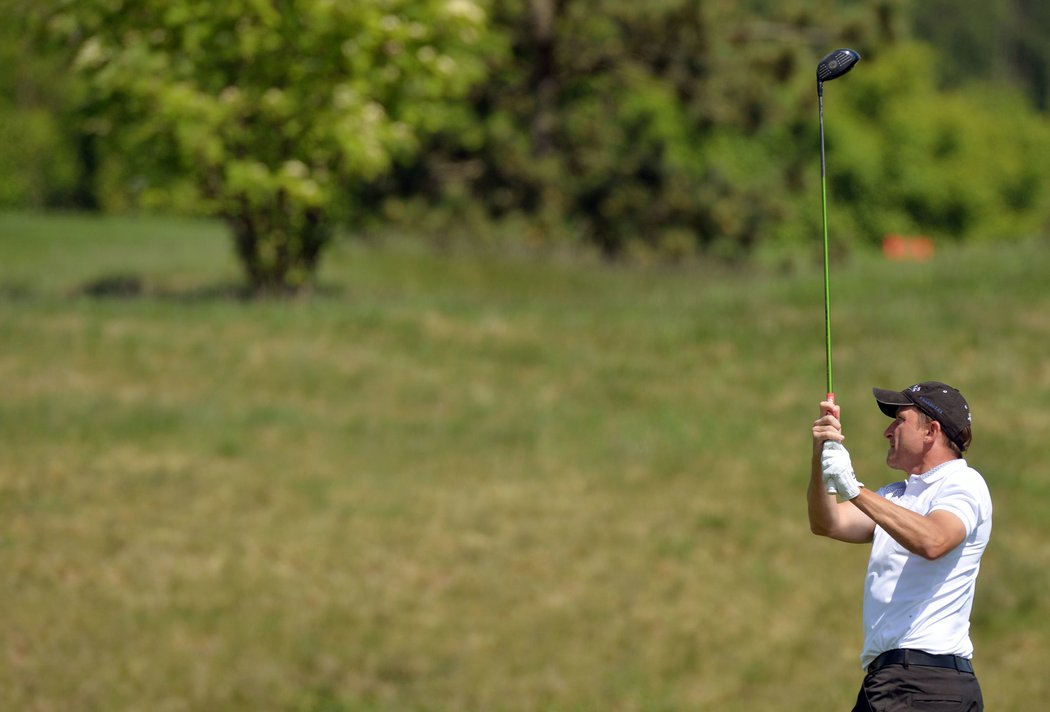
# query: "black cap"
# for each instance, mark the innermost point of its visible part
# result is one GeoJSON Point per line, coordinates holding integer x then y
{"type": "Point", "coordinates": [938, 400]}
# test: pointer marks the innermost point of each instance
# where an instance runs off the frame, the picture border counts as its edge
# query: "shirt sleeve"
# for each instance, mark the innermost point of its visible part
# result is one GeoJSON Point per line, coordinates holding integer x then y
{"type": "Point", "coordinates": [964, 495]}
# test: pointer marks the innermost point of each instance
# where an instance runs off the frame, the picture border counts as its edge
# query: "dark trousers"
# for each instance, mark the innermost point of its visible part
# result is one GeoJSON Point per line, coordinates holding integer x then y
{"type": "Point", "coordinates": [896, 688]}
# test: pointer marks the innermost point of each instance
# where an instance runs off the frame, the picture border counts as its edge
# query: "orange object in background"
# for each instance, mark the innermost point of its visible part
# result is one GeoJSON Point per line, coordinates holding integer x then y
{"type": "Point", "coordinates": [907, 249]}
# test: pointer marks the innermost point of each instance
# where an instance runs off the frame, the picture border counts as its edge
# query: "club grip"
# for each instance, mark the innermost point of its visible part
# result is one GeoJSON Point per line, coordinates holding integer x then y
{"type": "Point", "coordinates": [830, 399]}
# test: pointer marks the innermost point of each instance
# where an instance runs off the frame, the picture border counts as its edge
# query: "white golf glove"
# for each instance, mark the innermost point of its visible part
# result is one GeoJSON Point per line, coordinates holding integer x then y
{"type": "Point", "coordinates": [837, 471]}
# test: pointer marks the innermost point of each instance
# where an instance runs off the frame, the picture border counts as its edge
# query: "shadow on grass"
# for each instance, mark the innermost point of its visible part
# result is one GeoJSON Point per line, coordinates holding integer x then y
{"type": "Point", "coordinates": [14, 292]}
{"type": "Point", "coordinates": [127, 287]}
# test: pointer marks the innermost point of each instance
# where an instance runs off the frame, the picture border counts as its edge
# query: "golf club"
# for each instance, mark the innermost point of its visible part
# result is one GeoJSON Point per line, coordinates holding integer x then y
{"type": "Point", "coordinates": [833, 66]}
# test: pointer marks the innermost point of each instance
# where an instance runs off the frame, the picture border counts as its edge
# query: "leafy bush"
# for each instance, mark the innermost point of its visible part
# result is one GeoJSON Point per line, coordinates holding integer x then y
{"type": "Point", "coordinates": [681, 126]}
{"type": "Point", "coordinates": [674, 126]}
{"type": "Point", "coordinates": [960, 165]}
{"type": "Point", "coordinates": [39, 165]}
{"type": "Point", "coordinates": [268, 109]}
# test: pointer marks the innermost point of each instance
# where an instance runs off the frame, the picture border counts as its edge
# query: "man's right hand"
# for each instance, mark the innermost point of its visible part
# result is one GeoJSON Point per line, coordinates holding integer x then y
{"type": "Point", "coordinates": [827, 427]}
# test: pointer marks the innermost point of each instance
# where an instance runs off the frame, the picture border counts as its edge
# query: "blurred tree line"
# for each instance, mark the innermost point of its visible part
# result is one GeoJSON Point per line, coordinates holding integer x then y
{"type": "Point", "coordinates": [670, 127]}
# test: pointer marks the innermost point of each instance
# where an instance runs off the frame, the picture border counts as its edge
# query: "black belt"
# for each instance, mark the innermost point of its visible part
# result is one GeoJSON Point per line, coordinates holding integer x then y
{"type": "Point", "coordinates": [900, 656]}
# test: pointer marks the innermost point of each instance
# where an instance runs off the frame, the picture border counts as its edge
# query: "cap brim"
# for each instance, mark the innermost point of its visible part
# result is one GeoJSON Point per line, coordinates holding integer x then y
{"type": "Point", "coordinates": [889, 401]}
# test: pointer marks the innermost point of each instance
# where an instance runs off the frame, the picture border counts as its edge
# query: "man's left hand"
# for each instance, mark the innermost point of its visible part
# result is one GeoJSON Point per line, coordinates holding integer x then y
{"type": "Point", "coordinates": [837, 472]}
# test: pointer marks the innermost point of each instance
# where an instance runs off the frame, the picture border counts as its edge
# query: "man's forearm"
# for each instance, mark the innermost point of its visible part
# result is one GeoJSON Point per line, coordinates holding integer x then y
{"type": "Point", "coordinates": [929, 536]}
{"type": "Point", "coordinates": [821, 504]}
{"type": "Point", "coordinates": [831, 518]}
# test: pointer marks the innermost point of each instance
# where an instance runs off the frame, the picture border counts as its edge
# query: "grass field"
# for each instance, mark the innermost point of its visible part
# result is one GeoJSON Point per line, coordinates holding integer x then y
{"type": "Point", "coordinates": [466, 482]}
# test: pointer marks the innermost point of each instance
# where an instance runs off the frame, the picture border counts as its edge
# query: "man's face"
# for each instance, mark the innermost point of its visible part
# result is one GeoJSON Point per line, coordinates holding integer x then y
{"type": "Point", "coordinates": [907, 435]}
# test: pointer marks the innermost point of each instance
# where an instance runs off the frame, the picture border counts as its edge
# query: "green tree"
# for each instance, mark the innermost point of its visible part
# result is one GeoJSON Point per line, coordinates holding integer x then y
{"type": "Point", "coordinates": [39, 164]}
{"type": "Point", "coordinates": [269, 109]}
{"type": "Point", "coordinates": [1003, 42]}
{"type": "Point", "coordinates": [956, 165]}
{"type": "Point", "coordinates": [673, 125]}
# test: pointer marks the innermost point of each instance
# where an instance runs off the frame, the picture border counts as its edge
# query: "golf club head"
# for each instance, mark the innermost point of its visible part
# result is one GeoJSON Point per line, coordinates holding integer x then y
{"type": "Point", "coordinates": [836, 64]}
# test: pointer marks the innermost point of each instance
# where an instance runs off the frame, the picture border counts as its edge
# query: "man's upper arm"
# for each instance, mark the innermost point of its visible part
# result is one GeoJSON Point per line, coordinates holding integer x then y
{"type": "Point", "coordinates": [967, 498]}
{"type": "Point", "coordinates": [952, 531]}
{"type": "Point", "coordinates": [959, 508]}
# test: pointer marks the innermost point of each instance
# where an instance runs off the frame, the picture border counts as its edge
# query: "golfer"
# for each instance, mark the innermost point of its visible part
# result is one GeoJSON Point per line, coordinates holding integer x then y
{"type": "Point", "coordinates": [927, 535]}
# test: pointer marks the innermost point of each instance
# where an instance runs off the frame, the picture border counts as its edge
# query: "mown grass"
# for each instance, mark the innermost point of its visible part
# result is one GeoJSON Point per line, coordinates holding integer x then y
{"type": "Point", "coordinates": [472, 482]}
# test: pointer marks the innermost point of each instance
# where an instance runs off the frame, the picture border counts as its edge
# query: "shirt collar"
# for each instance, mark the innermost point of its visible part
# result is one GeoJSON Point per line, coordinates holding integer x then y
{"type": "Point", "coordinates": [936, 473]}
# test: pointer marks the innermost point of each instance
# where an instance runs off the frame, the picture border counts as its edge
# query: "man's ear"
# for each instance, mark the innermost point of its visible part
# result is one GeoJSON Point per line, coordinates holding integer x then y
{"type": "Point", "coordinates": [934, 428]}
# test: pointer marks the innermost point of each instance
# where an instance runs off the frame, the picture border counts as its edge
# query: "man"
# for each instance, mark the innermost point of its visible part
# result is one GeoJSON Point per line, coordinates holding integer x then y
{"type": "Point", "coordinates": [928, 533]}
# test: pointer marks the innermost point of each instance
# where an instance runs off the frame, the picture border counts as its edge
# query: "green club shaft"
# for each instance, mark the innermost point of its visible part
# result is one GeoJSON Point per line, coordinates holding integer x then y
{"type": "Point", "coordinates": [833, 66]}
{"type": "Point", "coordinates": [827, 280]}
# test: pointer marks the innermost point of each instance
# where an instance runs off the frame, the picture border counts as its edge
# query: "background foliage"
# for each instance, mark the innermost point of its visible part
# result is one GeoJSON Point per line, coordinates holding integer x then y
{"type": "Point", "coordinates": [266, 110]}
{"type": "Point", "coordinates": [675, 128]}
{"type": "Point", "coordinates": [684, 126]}
{"type": "Point", "coordinates": [41, 163]}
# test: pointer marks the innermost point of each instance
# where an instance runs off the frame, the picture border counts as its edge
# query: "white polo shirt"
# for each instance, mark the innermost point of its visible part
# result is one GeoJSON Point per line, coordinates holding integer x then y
{"type": "Point", "coordinates": [910, 602]}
